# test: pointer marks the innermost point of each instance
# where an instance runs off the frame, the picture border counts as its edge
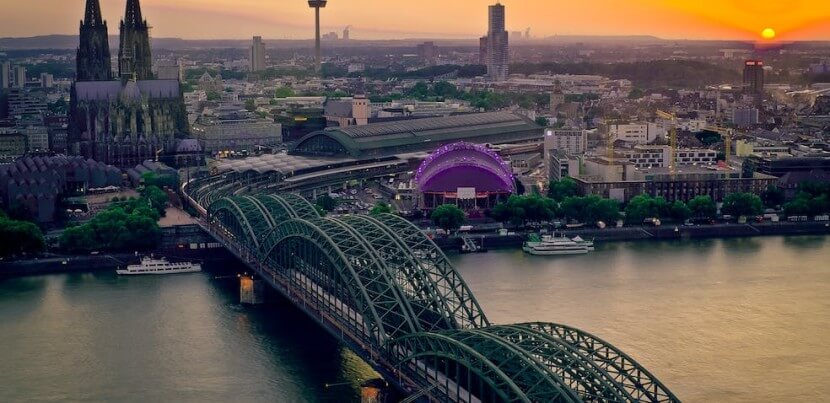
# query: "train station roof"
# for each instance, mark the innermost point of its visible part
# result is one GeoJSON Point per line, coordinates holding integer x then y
{"type": "Point", "coordinates": [389, 138]}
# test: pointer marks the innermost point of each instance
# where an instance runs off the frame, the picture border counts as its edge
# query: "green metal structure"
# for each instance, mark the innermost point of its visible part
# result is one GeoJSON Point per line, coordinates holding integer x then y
{"type": "Point", "coordinates": [387, 291]}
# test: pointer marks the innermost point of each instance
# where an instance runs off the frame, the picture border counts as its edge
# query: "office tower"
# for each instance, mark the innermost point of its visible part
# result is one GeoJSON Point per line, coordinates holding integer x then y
{"type": "Point", "coordinates": [19, 76]}
{"type": "Point", "coordinates": [47, 80]}
{"type": "Point", "coordinates": [347, 33]}
{"type": "Point", "coordinates": [5, 73]}
{"type": "Point", "coordinates": [134, 57]}
{"type": "Point", "coordinates": [257, 56]}
{"type": "Point", "coordinates": [754, 76]}
{"type": "Point", "coordinates": [93, 54]}
{"type": "Point", "coordinates": [428, 51]}
{"type": "Point", "coordinates": [482, 50]}
{"type": "Point", "coordinates": [497, 44]}
{"type": "Point", "coordinates": [318, 52]}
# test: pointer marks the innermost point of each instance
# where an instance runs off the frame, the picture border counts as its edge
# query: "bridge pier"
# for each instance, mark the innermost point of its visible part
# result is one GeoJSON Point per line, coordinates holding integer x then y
{"type": "Point", "coordinates": [251, 290]}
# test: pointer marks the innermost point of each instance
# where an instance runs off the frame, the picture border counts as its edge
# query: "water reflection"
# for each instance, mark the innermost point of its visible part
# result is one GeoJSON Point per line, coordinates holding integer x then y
{"type": "Point", "coordinates": [732, 320]}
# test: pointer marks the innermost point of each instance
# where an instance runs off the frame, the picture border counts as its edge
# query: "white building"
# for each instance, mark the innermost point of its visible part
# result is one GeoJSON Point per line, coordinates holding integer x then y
{"type": "Point", "coordinates": [257, 56]}
{"type": "Point", "coordinates": [571, 141]}
{"type": "Point", "coordinates": [637, 133]}
{"type": "Point", "coordinates": [643, 156]}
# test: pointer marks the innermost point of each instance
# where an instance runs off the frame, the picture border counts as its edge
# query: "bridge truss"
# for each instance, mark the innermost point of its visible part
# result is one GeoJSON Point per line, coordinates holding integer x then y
{"type": "Point", "coordinates": [386, 290]}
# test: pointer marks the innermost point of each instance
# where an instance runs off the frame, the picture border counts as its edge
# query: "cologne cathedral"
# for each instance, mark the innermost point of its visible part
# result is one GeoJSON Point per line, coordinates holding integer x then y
{"type": "Point", "coordinates": [130, 118]}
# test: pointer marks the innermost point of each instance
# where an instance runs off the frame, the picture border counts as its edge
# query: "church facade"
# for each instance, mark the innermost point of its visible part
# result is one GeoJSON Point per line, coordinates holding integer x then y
{"type": "Point", "coordinates": [132, 118]}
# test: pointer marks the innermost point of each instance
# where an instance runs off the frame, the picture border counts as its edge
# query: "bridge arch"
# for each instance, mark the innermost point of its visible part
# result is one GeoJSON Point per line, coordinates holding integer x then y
{"type": "Point", "coordinates": [329, 253]}
{"type": "Point", "coordinates": [244, 218]}
{"type": "Point", "coordinates": [488, 368]}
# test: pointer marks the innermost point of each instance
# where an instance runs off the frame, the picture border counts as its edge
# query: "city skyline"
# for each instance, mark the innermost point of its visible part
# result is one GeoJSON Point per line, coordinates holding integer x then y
{"type": "Point", "coordinates": [669, 19]}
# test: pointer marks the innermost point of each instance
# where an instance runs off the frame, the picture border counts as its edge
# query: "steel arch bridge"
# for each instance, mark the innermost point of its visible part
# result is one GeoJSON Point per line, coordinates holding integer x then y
{"type": "Point", "coordinates": [386, 290]}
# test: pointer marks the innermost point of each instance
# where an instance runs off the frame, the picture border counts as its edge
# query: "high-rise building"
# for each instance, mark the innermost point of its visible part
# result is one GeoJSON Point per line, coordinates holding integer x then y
{"type": "Point", "coordinates": [428, 51]}
{"type": "Point", "coordinates": [93, 55]}
{"type": "Point", "coordinates": [754, 76]}
{"type": "Point", "coordinates": [497, 44]}
{"type": "Point", "coordinates": [134, 56]}
{"type": "Point", "coordinates": [257, 56]}
{"type": "Point", "coordinates": [47, 80]}
{"type": "Point", "coordinates": [482, 50]}
{"type": "Point", "coordinates": [5, 75]}
{"type": "Point", "coordinates": [20, 76]}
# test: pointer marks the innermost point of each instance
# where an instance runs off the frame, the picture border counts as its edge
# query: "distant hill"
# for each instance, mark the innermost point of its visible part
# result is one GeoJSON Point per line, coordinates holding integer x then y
{"type": "Point", "coordinates": [71, 42]}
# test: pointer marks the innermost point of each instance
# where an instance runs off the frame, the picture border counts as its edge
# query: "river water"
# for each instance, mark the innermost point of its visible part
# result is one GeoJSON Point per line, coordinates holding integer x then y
{"type": "Point", "coordinates": [737, 320]}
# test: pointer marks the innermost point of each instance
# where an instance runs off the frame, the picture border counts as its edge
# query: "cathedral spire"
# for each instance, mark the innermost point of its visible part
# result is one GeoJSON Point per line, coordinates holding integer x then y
{"type": "Point", "coordinates": [92, 16]}
{"type": "Point", "coordinates": [132, 17]}
{"type": "Point", "coordinates": [134, 56]}
{"type": "Point", "coordinates": [93, 57]}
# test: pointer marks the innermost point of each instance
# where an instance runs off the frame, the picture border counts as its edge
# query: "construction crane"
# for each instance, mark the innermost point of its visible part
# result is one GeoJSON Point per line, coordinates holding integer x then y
{"type": "Point", "coordinates": [726, 134]}
{"type": "Point", "coordinates": [672, 139]}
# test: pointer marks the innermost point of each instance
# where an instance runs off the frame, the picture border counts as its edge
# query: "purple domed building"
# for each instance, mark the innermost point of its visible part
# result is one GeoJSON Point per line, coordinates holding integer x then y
{"type": "Point", "coordinates": [470, 176]}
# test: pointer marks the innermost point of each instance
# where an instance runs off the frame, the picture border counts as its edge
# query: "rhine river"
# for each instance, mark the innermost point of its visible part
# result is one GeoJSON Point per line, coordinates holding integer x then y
{"type": "Point", "coordinates": [737, 320]}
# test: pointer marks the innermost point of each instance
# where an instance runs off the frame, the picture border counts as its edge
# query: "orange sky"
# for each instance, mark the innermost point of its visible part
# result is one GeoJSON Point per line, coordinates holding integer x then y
{"type": "Point", "coordinates": [374, 19]}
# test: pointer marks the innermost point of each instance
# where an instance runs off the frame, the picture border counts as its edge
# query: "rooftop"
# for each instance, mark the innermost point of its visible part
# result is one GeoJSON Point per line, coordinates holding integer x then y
{"type": "Point", "coordinates": [418, 135]}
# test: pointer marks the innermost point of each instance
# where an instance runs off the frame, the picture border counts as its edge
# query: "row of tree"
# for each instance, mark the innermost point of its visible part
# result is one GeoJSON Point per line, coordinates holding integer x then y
{"type": "Point", "coordinates": [126, 225]}
{"type": "Point", "coordinates": [562, 202]}
{"type": "Point", "coordinates": [812, 199]}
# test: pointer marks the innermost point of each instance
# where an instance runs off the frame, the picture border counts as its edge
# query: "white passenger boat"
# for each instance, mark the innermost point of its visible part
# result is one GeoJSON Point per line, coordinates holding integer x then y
{"type": "Point", "coordinates": [151, 265]}
{"type": "Point", "coordinates": [551, 246]}
{"type": "Point", "coordinates": [588, 244]}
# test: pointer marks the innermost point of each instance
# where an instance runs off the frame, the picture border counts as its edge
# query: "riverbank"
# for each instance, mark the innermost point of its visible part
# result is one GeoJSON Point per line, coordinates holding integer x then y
{"type": "Point", "coordinates": [669, 232]}
{"type": "Point", "coordinates": [182, 242]}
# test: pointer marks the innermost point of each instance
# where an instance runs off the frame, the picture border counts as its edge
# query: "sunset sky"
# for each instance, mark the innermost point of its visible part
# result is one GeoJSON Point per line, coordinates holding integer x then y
{"type": "Point", "coordinates": [395, 19]}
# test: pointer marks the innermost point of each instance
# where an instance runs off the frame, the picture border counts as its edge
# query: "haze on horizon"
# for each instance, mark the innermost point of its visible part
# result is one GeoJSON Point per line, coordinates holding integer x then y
{"type": "Point", "coordinates": [454, 19]}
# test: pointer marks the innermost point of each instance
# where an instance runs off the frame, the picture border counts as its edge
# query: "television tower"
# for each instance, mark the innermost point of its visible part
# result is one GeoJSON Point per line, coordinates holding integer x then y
{"type": "Point", "coordinates": [317, 5]}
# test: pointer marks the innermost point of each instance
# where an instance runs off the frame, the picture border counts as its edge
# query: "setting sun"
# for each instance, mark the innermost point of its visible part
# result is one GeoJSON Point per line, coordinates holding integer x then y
{"type": "Point", "coordinates": [768, 33]}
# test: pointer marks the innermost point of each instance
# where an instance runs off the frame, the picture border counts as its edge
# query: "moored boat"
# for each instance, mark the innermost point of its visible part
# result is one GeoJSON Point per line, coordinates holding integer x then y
{"type": "Point", "coordinates": [151, 265]}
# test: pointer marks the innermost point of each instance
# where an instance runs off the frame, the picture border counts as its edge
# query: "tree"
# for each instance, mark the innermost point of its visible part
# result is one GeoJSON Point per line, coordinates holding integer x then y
{"type": "Point", "coordinates": [250, 105]}
{"type": "Point", "coordinates": [445, 89]}
{"type": "Point", "coordinates": [742, 204]}
{"type": "Point", "coordinates": [126, 225]}
{"type": "Point", "coordinates": [798, 206]}
{"type": "Point", "coordinates": [645, 206]}
{"type": "Point", "coordinates": [326, 202]}
{"type": "Point", "coordinates": [680, 211]}
{"type": "Point", "coordinates": [213, 96]}
{"type": "Point", "coordinates": [542, 121]}
{"type": "Point", "coordinates": [161, 181]}
{"type": "Point", "coordinates": [381, 208]}
{"type": "Point", "coordinates": [156, 198]}
{"type": "Point", "coordinates": [283, 92]}
{"type": "Point", "coordinates": [599, 209]}
{"type": "Point", "coordinates": [19, 237]}
{"type": "Point", "coordinates": [703, 207]}
{"type": "Point", "coordinates": [772, 196]}
{"type": "Point", "coordinates": [448, 216]}
{"type": "Point", "coordinates": [559, 190]}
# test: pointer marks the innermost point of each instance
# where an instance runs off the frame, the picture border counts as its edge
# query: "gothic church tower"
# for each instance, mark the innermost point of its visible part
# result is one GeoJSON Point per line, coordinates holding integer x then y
{"type": "Point", "coordinates": [93, 58]}
{"type": "Point", "coordinates": [134, 58]}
